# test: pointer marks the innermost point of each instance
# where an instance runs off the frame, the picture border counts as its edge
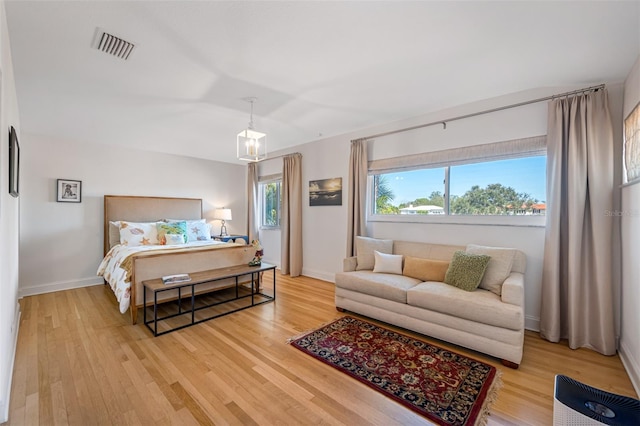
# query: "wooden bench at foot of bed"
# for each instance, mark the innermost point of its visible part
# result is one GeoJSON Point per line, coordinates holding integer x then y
{"type": "Point", "coordinates": [187, 291]}
{"type": "Point", "coordinates": [148, 266]}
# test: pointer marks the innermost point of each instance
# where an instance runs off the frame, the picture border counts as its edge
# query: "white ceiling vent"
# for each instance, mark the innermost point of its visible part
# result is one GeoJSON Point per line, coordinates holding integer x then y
{"type": "Point", "coordinates": [112, 44]}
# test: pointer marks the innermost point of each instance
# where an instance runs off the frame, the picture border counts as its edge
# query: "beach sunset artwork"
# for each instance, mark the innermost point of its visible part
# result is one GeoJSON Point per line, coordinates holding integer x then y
{"type": "Point", "coordinates": [325, 192]}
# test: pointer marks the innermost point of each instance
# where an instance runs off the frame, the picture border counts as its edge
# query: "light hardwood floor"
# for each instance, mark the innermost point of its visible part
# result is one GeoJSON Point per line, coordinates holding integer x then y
{"type": "Point", "coordinates": [80, 362]}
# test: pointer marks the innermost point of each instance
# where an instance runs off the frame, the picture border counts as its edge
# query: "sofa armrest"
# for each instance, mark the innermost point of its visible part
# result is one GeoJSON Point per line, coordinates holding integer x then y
{"type": "Point", "coordinates": [513, 289]}
{"type": "Point", "coordinates": [349, 264]}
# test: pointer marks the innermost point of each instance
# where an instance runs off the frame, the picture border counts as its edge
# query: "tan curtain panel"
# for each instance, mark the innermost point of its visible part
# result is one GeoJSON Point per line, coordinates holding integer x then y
{"type": "Point", "coordinates": [291, 215]}
{"type": "Point", "coordinates": [253, 215]}
{"type": "Point", "coordinates": [577, 293]}
{"type": "Point", "coordinates": [357, 205]}
{"type": "Point", "coordinates": [632, 144]}
{"type": "Point", "coordinates": [504, 150]}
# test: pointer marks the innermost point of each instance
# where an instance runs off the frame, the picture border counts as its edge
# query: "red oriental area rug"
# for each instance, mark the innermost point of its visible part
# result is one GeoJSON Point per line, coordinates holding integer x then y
{"type": "Point", "coordinates": [445, 387]}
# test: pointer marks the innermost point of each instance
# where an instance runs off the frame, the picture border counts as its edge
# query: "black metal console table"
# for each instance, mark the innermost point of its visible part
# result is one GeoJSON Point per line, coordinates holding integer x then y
{"type": "Point", "coordinates": [156, 286]}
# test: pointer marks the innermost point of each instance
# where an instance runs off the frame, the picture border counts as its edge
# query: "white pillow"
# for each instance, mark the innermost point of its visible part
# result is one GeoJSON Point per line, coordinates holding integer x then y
{"type": "Point", "coordinates": [134, 234]}
{"type": "Point", "coordinates": [387, 263]}
{"type": "Point", "coordinates": [198, 231]}
{"type": "Point", "coordinates": [365, 247]}
{"type": "Point", "coordinates": [498, 268]}
{"type": "Point", "coordinates": [172, 239]}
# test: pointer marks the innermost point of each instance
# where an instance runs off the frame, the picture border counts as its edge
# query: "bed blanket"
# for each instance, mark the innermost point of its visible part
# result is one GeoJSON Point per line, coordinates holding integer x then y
{"type": "Point", "coordinates": [116, 267]}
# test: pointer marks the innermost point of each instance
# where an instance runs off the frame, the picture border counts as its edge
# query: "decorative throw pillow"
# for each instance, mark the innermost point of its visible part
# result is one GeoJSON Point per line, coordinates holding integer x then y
{"type": "Point", "coordinates": [173, 239]}
{"type": "Point", "coordinates": [175, 228]}
{"type": "Point", "coordinates": [134, 234]}
{"type": "Point", "coordinates": [425, 269]}
{"type": "Point", "coordinates": [466, 270]}
{"type": "Point", "coordinates": [499, 266]}
{"type": "Point", "coordinates": [387, 263]}
{"type": "Point", "coordinates": [197, 230]}
{"type": "Point", "coordinates": [365, 247]}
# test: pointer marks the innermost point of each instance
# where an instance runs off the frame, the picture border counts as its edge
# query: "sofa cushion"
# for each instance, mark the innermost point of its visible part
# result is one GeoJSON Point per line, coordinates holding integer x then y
{"type": "Point", "coordinates": [499, 266]}
{"type": "Point", "coordinates": [365, 247]}
{"type": "Point", "coordinates": [425, 269]}
{"type": "Point", "coordinates": [387, 263]}
{"type": "Point", "coordinates": [387, 286]}
{"type": "Point", "coordinates": [479, 305]}
{"type": "Point", "coordinates": [466, 270]}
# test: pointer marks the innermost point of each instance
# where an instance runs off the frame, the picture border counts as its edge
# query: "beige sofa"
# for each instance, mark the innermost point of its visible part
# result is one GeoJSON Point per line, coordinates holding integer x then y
{"type": "Point", "coordinates": [480, 320]}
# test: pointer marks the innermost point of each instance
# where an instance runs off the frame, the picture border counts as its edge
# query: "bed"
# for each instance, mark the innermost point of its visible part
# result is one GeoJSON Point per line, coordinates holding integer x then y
{"type": "Point", "coordinates": [155, 262]}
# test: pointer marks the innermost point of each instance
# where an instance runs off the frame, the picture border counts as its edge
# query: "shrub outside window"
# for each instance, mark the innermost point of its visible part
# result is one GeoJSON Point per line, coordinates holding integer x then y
{"type": "Point", "coordinates": [270, 204]}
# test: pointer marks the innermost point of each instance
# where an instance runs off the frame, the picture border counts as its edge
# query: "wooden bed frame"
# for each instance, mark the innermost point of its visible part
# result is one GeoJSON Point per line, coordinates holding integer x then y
{"type": "Point", "coordinates": [147, 265]}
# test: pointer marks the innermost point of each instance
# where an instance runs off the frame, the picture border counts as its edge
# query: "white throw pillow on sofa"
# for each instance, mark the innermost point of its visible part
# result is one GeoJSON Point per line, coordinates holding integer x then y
{"type": "Point", "coordinates": [499, 266]}
{"type": "Point", "coordinates": [387, 263]}
{"type": "Point", "coordinates": [365, 247]}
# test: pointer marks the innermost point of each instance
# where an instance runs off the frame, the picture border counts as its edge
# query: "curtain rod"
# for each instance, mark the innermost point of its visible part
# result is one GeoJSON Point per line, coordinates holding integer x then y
{"type": "Point", "coordinates": [519, 104]}
{"type": "Point", "coordinates": [280, 156]}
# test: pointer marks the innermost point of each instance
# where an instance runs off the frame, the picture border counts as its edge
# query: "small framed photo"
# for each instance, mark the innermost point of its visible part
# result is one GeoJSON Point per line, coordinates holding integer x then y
{"type": "Point", "coordinates": [69, 191]}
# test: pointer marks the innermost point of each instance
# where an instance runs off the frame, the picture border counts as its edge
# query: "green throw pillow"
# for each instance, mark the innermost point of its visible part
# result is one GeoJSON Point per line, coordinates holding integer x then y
{"type": "Point", "coordinates": [174, 228]}
{"type": "Point", "coordinates": [466, 270]}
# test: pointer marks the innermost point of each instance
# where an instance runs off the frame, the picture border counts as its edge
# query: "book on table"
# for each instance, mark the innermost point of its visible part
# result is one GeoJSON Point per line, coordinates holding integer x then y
{"type": "Point", "coordinates": [175, 279]}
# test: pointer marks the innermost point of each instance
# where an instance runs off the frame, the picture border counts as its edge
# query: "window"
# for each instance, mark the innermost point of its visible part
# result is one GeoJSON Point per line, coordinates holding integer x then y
{"type": "Point", "coordinates": [413, 192]}
{"type": "Point", "coordinates": [270, 204]}
{"type": "Point", "coordinates": [505, 187]}
{"type": "Point", "coordinates": [510, 180]}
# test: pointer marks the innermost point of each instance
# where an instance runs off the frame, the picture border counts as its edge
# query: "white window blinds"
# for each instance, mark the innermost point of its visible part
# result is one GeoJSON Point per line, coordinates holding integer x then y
{"type": "Point", "coordinates": [516, 148]}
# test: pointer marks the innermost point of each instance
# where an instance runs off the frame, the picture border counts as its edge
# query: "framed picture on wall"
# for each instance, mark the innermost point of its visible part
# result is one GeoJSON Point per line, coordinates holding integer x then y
{"type": "Point", "coordinates": [69, 191]}
{"type": "Point", "coordinates": [632, 144]}
{"type": "Point", "coordinates": [14, 163]}
{"type": "Point", "coordinates": [325, 192]}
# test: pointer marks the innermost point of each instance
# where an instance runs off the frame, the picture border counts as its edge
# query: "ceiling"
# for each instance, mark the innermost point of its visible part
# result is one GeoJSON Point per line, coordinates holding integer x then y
{"type": "Point", "coordinates": [318, 69]}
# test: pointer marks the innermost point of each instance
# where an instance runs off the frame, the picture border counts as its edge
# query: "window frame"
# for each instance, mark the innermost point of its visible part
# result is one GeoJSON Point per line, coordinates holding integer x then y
{"type": "Point", "coordinates": [531, 149]}
{"type": "Point", "coordinates": [262, 204]}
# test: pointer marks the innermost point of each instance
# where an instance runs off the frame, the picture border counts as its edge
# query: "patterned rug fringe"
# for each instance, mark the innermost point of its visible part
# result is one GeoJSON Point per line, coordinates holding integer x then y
{"type": "Point", "coordinates": [310, 330]}
{"type": "Point", "coordinates": [492, 396]}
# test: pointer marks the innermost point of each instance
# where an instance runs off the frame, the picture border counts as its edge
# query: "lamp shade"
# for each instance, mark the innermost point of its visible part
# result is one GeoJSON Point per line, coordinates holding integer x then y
{"type": "Point", "coordinates": [222, 214]}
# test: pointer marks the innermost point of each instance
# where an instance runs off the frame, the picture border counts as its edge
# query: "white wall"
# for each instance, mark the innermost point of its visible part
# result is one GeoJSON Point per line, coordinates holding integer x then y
{"type": "Point", "coordinates": [61, 243]}
{"type": "Point", "coordinates": [324, 228]}
{"type": "Point", "coordinates": [630, 230]}
{"type": "Point", "coordinates": [9, 222]}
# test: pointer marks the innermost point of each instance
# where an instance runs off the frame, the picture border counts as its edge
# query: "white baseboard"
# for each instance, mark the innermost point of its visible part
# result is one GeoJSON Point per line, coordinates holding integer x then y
{"type": "Point", "coordinates": [58, 286]}
{"type": "Point", "coordinates": [319, 275]}
{"type": "Point", "coordinates": [531, 323]}
{"type": "Point", "coordinates": [4, 404]}
{"type": "Point", "coordinates": [631, 365]}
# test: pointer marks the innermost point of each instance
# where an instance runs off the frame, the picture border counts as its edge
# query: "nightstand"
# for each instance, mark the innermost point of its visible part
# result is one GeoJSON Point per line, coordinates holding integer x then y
{"type": "Point", "coordinates": [230, 238]}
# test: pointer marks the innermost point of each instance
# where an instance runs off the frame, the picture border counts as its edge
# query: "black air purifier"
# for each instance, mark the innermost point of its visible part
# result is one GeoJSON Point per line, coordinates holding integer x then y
{"type": "Point", "coordinates": [578, 404]}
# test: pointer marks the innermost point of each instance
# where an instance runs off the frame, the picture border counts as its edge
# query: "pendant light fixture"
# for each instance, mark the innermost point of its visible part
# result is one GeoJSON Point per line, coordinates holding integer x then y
{"type": "Point", "coordinates": [252, 145]}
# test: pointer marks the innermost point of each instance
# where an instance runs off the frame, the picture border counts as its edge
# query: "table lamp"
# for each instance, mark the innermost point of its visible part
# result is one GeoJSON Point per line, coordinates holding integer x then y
{"type": "Point", "coordinates": [223, 215]}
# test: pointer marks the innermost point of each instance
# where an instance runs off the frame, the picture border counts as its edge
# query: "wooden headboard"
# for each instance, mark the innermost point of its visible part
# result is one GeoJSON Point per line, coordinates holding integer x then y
{"type": "Point", "coordinates": [147, 209]}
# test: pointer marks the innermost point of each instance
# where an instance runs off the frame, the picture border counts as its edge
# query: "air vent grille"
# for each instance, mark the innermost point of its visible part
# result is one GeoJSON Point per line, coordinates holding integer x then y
{"type": "Point", "coordinates": [115, 46]}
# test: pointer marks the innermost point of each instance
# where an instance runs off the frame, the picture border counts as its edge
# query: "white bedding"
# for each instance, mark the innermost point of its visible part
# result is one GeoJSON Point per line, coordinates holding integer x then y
{"type": "Point", "coordinates": [110, 267]}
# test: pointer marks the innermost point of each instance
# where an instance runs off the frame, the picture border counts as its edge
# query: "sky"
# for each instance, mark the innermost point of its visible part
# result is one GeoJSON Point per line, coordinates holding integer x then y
{"type": "Point", "coordinates": [522, 174]}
